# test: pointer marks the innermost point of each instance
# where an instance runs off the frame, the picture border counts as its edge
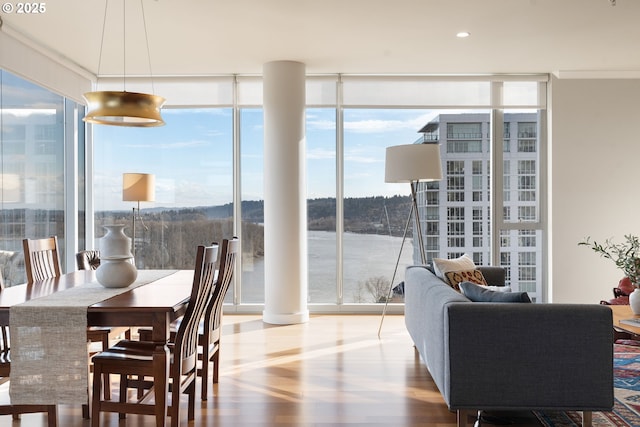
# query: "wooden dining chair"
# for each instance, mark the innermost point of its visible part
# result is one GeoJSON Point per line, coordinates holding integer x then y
{"type": "Point", "coordinates": [133, 360]}
{"type": "Point", "coordinates": [209, 337]}
{"type": "Point", "coordinates": [5, 368]}
{"type": "Point", "coordinates": [210, 326]}
{"type": "Point", "coordinates": [41, 258]}
{"type": "Point", "coordinates": [88, 260]}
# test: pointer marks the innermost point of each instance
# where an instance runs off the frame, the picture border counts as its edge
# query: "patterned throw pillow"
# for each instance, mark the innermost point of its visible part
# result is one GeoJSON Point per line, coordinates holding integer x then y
{"type": "Point", "coordinates": [454, 278]}
{"type": "Point", "coordinates": [443, 266]}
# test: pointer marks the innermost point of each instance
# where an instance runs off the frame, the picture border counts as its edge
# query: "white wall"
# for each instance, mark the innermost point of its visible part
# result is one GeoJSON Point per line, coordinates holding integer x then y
{"type": "Point", "coordinates": [595, 181]}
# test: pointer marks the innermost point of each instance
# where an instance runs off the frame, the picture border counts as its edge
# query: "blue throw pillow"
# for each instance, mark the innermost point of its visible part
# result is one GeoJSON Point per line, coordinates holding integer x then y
{"type": "Point", "coordinates": [479, 293]}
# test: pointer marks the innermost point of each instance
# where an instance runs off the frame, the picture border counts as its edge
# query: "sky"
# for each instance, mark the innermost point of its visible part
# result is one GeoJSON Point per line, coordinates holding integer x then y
{"type": "Point", "coordinates": [191, 155]}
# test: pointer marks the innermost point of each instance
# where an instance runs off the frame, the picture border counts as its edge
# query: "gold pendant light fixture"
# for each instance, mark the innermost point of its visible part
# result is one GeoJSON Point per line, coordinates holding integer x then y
{"type": "Point", "coordinates": [122, 108]}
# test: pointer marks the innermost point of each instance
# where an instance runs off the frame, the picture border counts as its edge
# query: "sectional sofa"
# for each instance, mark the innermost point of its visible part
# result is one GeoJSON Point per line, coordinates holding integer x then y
{"type": "Point", "coordinates": [510, 356]}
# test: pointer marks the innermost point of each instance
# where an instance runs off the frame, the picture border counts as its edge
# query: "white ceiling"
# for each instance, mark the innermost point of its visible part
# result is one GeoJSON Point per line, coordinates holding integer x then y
{"type": "Point", "coordinates": [208, 37]}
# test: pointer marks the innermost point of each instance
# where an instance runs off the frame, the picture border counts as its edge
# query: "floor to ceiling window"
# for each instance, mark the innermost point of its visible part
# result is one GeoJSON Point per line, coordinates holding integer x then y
{"type": "Point", "coordinates": [321, 205]}
{"type": "Point", "coordinates": [252, 206]}
{"type": "Point", "coordinates": [355, 219]}
{"type": "Point", "coordinates": [457, 212]}
{"type": "Point", "coordinates": [191, 158]}
{"type": "Point", "coordinates": [208, 164]}
{"type": "Point", "coordinates": [32, 168]}
{"type": "Point", "coordinates": [375, 212]}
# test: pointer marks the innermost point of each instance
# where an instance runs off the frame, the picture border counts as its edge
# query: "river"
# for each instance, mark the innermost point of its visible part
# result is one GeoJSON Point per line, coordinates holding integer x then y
{"type": "Point", "coordinates": [365, 256]}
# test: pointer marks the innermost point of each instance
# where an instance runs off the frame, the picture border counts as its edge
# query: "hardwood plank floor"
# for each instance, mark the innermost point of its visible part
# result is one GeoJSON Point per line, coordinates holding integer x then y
{"type": "Point", "coordinates": [331, 371]}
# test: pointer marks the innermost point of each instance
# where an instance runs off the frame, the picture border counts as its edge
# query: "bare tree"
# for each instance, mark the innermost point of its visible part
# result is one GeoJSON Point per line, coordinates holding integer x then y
{"type": "Point", "coordinates": [377, 286]}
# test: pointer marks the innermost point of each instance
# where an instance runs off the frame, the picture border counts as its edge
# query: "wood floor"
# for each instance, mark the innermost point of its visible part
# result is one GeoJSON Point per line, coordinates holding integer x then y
{"type": "Point", "coordinates": [331, 371]}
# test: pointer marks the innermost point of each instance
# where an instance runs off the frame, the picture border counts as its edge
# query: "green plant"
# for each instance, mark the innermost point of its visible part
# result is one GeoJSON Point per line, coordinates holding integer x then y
{"type": "Point", "coordinates": [625, 255]}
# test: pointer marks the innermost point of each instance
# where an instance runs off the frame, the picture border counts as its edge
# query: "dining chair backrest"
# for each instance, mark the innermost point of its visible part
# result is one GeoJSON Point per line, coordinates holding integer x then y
{"type": "Point", "coordinates": [213, 313]}
{"type": "Point", "coordinates": [41, 258]}
{"type": "Point", "coordinates": [186, 344]}
{"type": "Point", "coordinates": [88, 260]}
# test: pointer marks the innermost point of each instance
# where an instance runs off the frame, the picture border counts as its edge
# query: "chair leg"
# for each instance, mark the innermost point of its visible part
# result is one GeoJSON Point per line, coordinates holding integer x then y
{"type": "Point", "coordinates": [97, 389]}
{"type": "Point", "coordinates": [216, 363]}
{"type": "Point", "coordinates": [123, 394]}
{"type": "Point", "coordinates": [204, 372]}
{"type": "Point", "coordinates": [107, 381]}
{"type": "Point", "coordinates": [191, 414]}
{"type": "Point", "coordinates": [161, 386]}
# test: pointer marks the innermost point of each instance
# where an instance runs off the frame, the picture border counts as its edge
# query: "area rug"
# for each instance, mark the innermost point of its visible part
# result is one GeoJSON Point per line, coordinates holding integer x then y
{"type": "Point", "coordinates": [626, 383]}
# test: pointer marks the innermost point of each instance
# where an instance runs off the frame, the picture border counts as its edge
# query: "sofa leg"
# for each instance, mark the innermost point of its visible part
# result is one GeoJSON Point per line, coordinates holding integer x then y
{"type": "Point", "coordinates": [587, 418]}
{"type": "Point", "coordinates": [463, 417]}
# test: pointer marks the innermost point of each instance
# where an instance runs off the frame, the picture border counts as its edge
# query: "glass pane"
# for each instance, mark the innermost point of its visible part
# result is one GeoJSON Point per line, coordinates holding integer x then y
{"type": "Point", "coordinates": [521, 167]}
{"type": "Point", "coordinates": [375, 212]}
{"type": "Point", "coordinates": [32, 171]}
{"type": "Point", "coordinates": [82, 178]}
{"type": "Point", "coordinates": [251, 158]}
{"type": "Point", "coordinates": [321, 204]}
{"type": "Point", "coordinates": [521, 255]}
{"type": "Point", "coordinates": [522, 249]}
{"type": "Point", "coordinates": [468, 221]}
{"type": "Point", "coordinates": [456, 209]}
{"type": "Point", "coordinates": [192, 160]}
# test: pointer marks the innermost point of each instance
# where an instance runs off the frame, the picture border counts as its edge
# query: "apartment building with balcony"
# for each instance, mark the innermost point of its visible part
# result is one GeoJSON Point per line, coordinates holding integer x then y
{"type": "Point", "coordinates": [455, 213]}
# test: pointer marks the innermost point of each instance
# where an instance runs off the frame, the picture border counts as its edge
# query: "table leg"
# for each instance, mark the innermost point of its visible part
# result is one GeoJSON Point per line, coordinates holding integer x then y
{"type": "Point", "coordinates": [161, 385]}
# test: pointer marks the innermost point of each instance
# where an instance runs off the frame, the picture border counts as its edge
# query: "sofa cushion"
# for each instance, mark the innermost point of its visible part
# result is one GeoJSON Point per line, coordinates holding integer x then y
{"type": "Point", "coordinates": [494, 275]}
{"type": "Point", "coordinates": [442, 266]}
{"type": "Point", "coordinates": [478, 293]}
{"type": "Point", "coordinates": [454, 278]}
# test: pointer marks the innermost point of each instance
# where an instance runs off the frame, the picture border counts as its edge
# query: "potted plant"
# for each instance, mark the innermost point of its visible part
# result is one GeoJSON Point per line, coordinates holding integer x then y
{"type": "Point", "coordinates": [626, 257]}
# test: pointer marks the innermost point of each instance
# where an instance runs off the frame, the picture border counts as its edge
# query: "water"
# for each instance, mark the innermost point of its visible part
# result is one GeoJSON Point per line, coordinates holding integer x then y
{"type": "Point", "coordinates": [366, 257]}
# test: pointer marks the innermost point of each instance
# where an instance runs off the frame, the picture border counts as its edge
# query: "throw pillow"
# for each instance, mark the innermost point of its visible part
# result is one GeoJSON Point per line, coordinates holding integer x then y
{"type": "Point", "coordinates": [499, 288]}
{"type": "Point", "coordinates": [478, 293]}
{"type": "Point", "coordinates": [453, 278]}
{"type": "Point", "coordinates": [443, 266]}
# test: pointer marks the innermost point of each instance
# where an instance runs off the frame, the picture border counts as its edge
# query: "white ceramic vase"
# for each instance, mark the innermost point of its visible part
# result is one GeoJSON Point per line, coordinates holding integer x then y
{"type": "Point", "coordinates": [117, 269]}
{"type": "Point", "coordinates": [115, 272]}
{"type": "Point", "coordinates": [115, 243]}
{"type": "Point", "coordinates": [634, 301]}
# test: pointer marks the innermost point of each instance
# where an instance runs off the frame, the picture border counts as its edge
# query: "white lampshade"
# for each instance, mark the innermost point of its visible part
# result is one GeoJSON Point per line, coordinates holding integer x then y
{"type": "Point", "coordinates": [413, 162]}
{"type": "Point", "coordinates": [138, 187]}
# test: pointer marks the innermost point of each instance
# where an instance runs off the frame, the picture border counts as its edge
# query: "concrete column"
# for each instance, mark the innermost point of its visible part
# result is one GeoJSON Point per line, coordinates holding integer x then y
{"type": "Point", "coordinates": [285, 202]}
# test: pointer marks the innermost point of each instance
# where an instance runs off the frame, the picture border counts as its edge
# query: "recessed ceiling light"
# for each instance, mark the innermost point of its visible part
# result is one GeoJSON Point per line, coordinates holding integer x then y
{"type": "Point", "coordinates": [463, 34]}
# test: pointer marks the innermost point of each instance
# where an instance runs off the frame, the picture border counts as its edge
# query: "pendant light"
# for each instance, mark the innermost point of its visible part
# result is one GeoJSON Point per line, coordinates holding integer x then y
{"type": "Point", "coordinates": [122, 108]}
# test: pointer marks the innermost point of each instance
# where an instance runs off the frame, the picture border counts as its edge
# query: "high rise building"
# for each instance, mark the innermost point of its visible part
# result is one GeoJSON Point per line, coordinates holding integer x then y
{"type": "Point", "coordinates": [456, 212]}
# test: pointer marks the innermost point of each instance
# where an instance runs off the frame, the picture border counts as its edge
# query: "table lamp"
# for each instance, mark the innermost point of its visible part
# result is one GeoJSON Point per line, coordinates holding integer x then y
{"type": "Point", "coordinates": [411, 163]}
{"type": "Point", "coordinates": [138, 187]}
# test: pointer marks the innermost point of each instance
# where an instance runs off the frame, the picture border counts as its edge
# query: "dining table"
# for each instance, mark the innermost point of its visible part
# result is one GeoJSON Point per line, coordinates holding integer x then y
{"type": "Point", "coordinates": [154, 300]}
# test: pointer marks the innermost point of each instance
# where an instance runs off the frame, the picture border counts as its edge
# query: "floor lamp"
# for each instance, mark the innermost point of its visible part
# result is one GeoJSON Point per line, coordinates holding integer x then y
{"type": "Point", "coordinates": [411, 163]}
{"type": "Point", "coordinates": [137, 187]}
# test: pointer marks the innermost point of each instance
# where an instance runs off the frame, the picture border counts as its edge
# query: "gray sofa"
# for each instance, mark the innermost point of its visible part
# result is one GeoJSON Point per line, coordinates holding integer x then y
{"type": "Point", "coordinates": [510, 356]}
